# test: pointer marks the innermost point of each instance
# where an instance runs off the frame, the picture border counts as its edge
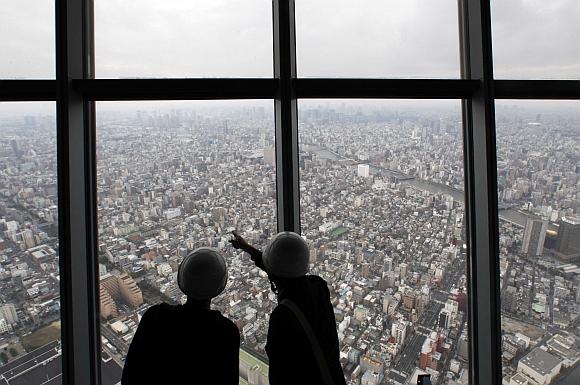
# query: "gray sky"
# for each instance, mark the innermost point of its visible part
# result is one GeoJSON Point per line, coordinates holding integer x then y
{"type": "Point", "coordinates": [335, 38]}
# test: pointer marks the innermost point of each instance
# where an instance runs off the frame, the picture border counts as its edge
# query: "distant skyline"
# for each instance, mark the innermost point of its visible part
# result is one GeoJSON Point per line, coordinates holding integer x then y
{"type": "Point", "coordinates": [19, 109]}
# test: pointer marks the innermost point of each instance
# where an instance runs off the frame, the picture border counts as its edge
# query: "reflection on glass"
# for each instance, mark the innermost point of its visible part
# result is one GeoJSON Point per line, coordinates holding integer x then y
{"type": "Point", "coordinates": [29, 271]}
{"type": "Point", "coordinates": [382, 207]}
{"type": "Point", "coordinates": [377, 38]}
{"type": "Point", "coordinates": [182, 38]}
{"type": "Point", "coordinates": [27, 39]}
{"type": "Point", "coordinates": [536, 39]}
{"type": "Point", "coordinates": [539, 205]}
{"type": "Point", "coordinates": [174, 176]}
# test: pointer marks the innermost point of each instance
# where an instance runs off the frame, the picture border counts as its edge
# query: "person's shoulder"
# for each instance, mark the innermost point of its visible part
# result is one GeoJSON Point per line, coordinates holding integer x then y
{"type": "Point", "coordinates": [316, 279]}
{"type": "Point", "coordinates": [280, 313]}
{"type": "Point", "coordinates": [225, 323]}
{"type": "Point", "coordinates": [155, 311]}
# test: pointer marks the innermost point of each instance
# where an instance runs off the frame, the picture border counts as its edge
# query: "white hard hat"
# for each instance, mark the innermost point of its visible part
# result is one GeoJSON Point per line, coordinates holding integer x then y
{"type": "Point", "coordinates": [286, 255]}
{"type": "Point", "coordinates": [203, 274]}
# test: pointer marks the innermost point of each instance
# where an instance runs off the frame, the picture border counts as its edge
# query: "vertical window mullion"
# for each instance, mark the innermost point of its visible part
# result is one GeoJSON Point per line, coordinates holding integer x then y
{"type": "Point", "coordinates": [286, 116]}
{"type": "Point", "coordinates": [481, 194]}
{"type": "Point", "coordinates": [76, 197]}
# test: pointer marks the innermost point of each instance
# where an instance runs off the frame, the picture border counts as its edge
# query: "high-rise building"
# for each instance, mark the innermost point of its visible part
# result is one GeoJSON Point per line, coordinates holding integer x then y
{"type": "Point", "coordinates": [8, 312]}
{"type": "Point", "coordinates": [313, 258]}
{"type": "Point", "coordinates": [107, 304]}
{"type": "Point", "coordinates": [388, 264]}
{"type": "Point", "coordinates": [4, 327]}
{"type": "Point", "coordinates": [430, 356]}
{"type": "Point", "coordinates": [534, 236]}
{"type": "Point", "coordinates": [426, 356]}
{"type": "Point", "coordinates": [129, 290]}
{"type": "Point", "coordinates": [409, 300]}
{"type": "Point", "coordinates": [403, 269]}
{"type": "Point", "coordinates": [119, 287]}
{"type": "Point", "coordinates": [363, 170]}
{"type": "Point", "coordinates": [366, 269]}
{"type": "Point", "coordinates": [399, 331]}
{"type": "Point", "coordinates": [28, 239]}
{"type": "Point", "coordinates": [444, 319]}
{"type": "Point", "coordinates": [568, 240]}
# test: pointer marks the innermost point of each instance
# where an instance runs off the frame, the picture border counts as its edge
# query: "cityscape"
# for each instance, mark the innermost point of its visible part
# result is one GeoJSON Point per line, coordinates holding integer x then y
{"type": "Point", "coordinates": [381, 199]}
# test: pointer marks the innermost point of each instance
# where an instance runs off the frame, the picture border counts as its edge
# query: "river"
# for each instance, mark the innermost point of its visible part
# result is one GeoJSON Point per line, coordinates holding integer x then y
{"type": "Point", "coordinates": [570, 378]}
{"type": "Point", "coordinates": [508, 214]}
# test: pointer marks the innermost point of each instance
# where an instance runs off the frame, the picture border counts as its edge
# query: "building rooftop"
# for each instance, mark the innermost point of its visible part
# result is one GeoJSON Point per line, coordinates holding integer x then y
{"type": "Point", "coordinates": [397, 378]}
{"type": "Point", "coordinates": [253, 361]}
{"type": "Point", "coordinates": [44, 366]}
{"type": "Point", "coordinates": [519, 379]}
{"type": "Point", "coordinates": [541, 361]}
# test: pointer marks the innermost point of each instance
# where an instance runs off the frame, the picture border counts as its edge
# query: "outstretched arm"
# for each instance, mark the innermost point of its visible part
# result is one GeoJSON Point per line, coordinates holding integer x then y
{"type": "Point", "coordinates": [238, 242]}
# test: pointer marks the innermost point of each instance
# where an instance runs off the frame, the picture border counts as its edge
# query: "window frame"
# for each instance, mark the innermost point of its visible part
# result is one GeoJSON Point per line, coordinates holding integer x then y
{"type": "Point", "coordinates": [75, 90]}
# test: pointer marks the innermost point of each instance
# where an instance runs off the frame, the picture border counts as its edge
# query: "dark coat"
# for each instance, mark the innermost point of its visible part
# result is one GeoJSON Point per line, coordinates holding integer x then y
{"type": "Point", "coordinates": [289, 350]}
{"type": "Point", "coordinates": [183, 344]}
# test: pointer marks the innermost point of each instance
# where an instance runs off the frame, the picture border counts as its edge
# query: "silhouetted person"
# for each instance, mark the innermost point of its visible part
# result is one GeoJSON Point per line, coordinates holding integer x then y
{"type": "Point", "coordinates": [302, 343]}
{"type": "Point", "coordinates": [187, 344]}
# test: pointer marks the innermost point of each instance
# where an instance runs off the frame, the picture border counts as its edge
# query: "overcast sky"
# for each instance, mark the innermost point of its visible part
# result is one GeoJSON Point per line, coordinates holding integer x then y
{"type": "Point", "coordinates": [335, 38]}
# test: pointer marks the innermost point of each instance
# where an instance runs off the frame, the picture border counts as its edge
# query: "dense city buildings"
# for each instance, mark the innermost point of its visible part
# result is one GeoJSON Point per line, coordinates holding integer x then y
{"type": "Point", "coordinates": [381, 198]}
{"type": "Point", "coordinates": [538, 175]}
{"type": "Point", "coordinates": [29, 270]}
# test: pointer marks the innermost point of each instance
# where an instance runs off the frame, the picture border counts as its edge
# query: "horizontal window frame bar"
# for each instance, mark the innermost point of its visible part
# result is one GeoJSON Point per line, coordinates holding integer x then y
{"type": "Point", "coordinates": [385, 88]}
{"type": "Point", "coordinates": [257, 88]}
{"type": "Point", "coordinates": [176, 89]}
{"type": "Point", "coordinates": [537, 89]}
{"type": "Point", "coordinates": [27, 90]}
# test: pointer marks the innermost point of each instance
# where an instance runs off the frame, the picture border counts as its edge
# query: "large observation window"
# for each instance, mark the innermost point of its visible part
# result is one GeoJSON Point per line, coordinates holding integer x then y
{"type": "Point", "coordinates": [373, 182]}
{"type": "Point", "coordinates": [183, 39]}
{"type": "Point", "coordinates": [538, 168]}
{"type": "Point", "coordinates": [381, 193]}
{"type": "Point", "coordinates": [30, 332]}
{"type": "Point", "coordinates": [27, 39]}
{"type": "Point", "coordinates": [536, 39]}
{"type": "Point", "coordinates": [171, 177]}
{"type": "Point", "coordinates": [384, 39]}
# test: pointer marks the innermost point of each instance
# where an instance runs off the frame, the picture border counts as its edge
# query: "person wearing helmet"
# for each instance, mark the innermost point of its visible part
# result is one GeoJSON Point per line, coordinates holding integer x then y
{"type": "Point", "coordinates": [188, 343]}
{"type": "Point", "coordinates": [302, 343]}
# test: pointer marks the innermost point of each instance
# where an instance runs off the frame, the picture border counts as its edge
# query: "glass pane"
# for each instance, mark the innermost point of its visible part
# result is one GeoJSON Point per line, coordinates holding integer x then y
{"type": "Point", "coordinates": [382, 206]}
{"type": "Point", "coordinates": [30, 347]}
{"type": "Point", "coordinates": [536, 39]}
{"type": "Point", "coordinates": [182, 38]}
{"type": "Point", "coordinates": [538, 165]}
{"type": "Point", "coordinates": [377, 38]}
{"type": "Point", "coordinates": [174, 176]}
{"type": "Point", "coordinates": [27, 39]}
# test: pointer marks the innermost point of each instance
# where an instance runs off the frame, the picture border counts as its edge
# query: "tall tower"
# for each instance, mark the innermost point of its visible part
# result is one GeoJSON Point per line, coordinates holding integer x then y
{"type": "Point", "coordinates": [534, 236]}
